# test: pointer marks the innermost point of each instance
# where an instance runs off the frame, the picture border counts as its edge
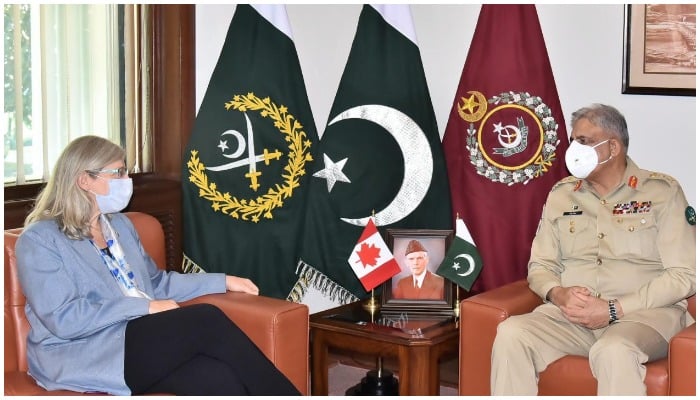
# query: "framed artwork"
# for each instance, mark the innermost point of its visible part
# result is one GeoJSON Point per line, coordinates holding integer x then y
{"type": "Point", "coordinates": [417, 290]}
{"type": "Point", "coordinates": [659, 54]}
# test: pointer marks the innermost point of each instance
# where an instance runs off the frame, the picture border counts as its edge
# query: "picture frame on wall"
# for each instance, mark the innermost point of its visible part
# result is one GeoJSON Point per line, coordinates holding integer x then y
{"type": "Point", "coordinates": [418, 250]}
{"type": "Point", "coordinates": [659, 53]}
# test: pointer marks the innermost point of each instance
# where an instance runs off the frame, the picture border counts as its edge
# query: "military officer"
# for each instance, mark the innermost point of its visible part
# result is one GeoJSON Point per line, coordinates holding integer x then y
{"type": "Point", "coordinates": [613, 260]}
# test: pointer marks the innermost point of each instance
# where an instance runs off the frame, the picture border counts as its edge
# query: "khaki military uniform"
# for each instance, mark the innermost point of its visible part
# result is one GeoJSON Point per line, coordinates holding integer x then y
{"type": "Point", "coordinates": [636, 245]}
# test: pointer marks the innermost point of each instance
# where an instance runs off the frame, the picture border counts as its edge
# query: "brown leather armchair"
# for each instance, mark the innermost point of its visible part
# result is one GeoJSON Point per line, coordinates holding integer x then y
{"type": "Point", "coordinates": [279, 328]}
{"type": "Point", "coordinates": [570, 375]}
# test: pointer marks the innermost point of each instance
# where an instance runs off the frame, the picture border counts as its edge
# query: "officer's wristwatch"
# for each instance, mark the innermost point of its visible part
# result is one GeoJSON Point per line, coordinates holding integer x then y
{"type": "Point", "coordinates": [613, 312]}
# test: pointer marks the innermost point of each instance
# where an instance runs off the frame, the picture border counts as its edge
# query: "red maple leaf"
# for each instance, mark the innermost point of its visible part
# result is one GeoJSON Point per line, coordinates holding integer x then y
{"type": "Point", "coordinates": [368, 254]}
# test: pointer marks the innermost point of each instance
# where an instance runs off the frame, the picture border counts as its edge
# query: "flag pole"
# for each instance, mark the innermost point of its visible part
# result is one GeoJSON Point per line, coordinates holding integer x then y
{"type": "Point", "coordinates": [456, 304]}
{"type": "Point", "coordinates": [371, 305]}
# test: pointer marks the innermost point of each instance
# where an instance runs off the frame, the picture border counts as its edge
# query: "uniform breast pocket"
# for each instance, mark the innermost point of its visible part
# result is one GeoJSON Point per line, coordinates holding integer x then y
{"type": "Point", "coordinates": [577, 236]}
{"type": "Point", "coordinates": [634, 236]}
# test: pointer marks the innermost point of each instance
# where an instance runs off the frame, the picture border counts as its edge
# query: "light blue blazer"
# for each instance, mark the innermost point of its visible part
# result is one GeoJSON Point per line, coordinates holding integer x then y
{"type": "Point", "coordinates": [77, 313]}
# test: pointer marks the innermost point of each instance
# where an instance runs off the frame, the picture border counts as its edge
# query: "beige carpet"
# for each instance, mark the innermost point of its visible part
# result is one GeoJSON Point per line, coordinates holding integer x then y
{"type": "Point", "coordinates": [341, 377]}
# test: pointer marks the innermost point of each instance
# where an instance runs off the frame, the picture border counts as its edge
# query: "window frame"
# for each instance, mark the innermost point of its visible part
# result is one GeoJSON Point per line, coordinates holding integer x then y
{"type": "Point", "coordinates": [173, 102]}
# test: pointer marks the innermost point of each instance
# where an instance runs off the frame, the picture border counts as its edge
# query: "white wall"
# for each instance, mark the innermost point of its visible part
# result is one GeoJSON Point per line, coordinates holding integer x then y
{"type": "Point", "coordinates": [585, 45]}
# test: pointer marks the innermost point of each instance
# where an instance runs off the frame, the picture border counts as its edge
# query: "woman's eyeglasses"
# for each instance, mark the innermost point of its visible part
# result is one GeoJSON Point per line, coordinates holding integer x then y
{"type": "Point", "coordinates": [116, 172]}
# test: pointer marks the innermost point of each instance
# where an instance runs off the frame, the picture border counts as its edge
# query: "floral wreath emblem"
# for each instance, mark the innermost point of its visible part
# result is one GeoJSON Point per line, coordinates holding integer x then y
{"type": "Point", "coordinates": [298, 155]}
{"type": "Point", "coordinates": [532, 105]}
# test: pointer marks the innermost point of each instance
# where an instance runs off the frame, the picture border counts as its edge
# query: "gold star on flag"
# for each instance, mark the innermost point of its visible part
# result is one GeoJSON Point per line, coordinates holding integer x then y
{"type": "Point", "coordinates": [469, 104]}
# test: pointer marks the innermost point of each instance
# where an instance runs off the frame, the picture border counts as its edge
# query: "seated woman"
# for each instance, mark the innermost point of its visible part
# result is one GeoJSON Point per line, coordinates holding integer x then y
{"type": "Point", "coordinates": [103, 317]}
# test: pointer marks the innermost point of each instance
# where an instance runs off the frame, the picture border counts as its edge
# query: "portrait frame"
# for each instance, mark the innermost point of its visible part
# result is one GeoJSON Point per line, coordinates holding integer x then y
{"type": "Point", "coordinates": [436, 242]}
{"type": "Point", "coordinates": [651, 63]}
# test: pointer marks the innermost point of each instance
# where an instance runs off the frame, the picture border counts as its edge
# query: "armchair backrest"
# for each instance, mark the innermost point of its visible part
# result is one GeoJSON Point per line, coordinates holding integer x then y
{"type": "Point", "coordinates": [16, 326]}
{"type": "Point", "coordinates": [151, 235]}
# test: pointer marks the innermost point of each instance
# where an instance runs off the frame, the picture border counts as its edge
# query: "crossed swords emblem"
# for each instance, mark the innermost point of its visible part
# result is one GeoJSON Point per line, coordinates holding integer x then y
{"type": "Point", "coordinates": [251, 161]}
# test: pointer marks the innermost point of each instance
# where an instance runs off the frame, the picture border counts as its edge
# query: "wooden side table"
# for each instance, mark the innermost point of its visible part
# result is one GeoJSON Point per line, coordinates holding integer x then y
{"type": "Point", "coordinates": [418, 344]}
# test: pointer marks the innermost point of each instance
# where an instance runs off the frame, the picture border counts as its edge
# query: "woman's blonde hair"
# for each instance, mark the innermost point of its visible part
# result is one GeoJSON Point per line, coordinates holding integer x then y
{"type": "Point", "coordinates": [62, 199]}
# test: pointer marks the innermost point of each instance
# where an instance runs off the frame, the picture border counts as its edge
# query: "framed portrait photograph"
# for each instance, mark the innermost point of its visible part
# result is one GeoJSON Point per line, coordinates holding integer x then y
{"type": "Point", "coordinates": [417, 290]}
{"type": "Point", "coordinates": [659, 54]}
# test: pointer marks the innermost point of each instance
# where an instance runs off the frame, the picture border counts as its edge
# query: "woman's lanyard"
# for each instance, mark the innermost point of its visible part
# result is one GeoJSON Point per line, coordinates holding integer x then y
{"type": "Point", "coordinates": [116, 263]}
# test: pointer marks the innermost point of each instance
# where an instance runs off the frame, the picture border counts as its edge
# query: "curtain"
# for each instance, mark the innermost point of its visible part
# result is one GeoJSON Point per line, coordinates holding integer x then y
{"type": "Point", "coordinates": [90, 75]}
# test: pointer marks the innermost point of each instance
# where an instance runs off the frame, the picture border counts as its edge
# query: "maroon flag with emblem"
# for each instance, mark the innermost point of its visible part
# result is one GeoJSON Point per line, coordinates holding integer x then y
{"type": "Point", "coordinates": [505, 140]}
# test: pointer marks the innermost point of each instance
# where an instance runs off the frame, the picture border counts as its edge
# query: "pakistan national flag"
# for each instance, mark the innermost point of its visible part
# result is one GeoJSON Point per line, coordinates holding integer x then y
{"type": "Point", "coordinates": [246, 167]}
{"type": "Point", "coordinates": [379, 154]}
{"type": "Point", "coordinates": [462, 263]}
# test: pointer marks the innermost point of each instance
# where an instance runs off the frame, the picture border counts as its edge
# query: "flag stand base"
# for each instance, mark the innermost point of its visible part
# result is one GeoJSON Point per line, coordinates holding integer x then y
{"type": "Point", "coordinates": [378, 382]}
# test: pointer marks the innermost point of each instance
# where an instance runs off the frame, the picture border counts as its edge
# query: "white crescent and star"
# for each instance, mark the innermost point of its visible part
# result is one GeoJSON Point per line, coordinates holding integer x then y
{"type": "Point", "coordinates": [417, 157]}
{"type": "Point", "coordinates": [223, 144]}
{"type": "Point", "coordinates": [457, 266]}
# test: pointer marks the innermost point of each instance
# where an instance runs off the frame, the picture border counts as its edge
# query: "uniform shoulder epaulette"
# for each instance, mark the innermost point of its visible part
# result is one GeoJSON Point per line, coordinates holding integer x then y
{"type": "Point", "coordinates": [663, 177]}
{"type": "Point", "coordinates": [569, 179]}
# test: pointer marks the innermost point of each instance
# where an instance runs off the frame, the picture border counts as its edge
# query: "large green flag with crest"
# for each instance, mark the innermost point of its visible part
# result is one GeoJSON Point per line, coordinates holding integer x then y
{"type": "Point", "coordinates": [380, 155]}
{"type": "Point", "coordinates": [245, 169]}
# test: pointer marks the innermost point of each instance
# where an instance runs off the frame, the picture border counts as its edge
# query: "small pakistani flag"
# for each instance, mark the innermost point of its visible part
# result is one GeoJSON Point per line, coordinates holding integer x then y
{"type": "Point", "coordinates": [462, 263]}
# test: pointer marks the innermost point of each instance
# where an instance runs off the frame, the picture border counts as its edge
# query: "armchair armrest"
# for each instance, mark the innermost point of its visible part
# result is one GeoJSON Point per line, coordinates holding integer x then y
{"type": "Point", "coordinates": [681, 363]}
{"type": "Point", "coordinates": [278, 327]}
{"type": "Point", "coordinates": [479, 316]}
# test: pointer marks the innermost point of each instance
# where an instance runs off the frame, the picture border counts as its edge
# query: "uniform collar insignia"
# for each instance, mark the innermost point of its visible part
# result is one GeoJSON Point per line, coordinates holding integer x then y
{"type": "Point", "coordinates": [578, 185]}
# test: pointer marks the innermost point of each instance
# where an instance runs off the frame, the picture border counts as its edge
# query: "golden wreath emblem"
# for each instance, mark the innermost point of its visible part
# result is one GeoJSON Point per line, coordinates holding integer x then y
{"type": "Point", "coordinates": [474, 108]}
{"type": "Point", "coordinates": [262, 206]}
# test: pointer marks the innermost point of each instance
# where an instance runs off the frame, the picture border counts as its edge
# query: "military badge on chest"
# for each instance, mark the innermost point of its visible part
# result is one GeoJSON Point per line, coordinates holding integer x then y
{"type": "Point", "coordinates": [574, 210]}
{"type": "Point", "coordinates": [633, 207]}
{"type": "Point", "coordinates": [690, 215]}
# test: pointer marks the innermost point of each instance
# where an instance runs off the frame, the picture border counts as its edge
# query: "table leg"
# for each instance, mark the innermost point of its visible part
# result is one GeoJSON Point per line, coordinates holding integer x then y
{"type": "Point", "coordinates": [418, 376]}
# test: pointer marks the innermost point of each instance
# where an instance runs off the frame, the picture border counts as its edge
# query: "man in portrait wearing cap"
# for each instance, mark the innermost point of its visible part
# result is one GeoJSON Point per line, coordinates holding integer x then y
{"type": "Point", "coordinates": [421, 284]}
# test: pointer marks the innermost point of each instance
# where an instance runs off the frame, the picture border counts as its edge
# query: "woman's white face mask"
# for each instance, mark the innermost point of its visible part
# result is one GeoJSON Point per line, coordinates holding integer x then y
{"type": "Point", "coordinates": [582, 159]}
{"type": "Point", "coordinates": [120, 191]}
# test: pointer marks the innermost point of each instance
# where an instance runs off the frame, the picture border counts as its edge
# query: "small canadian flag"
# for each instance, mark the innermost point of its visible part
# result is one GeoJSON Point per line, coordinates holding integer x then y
{"type": "Point", "coordinates": [371, 259]}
